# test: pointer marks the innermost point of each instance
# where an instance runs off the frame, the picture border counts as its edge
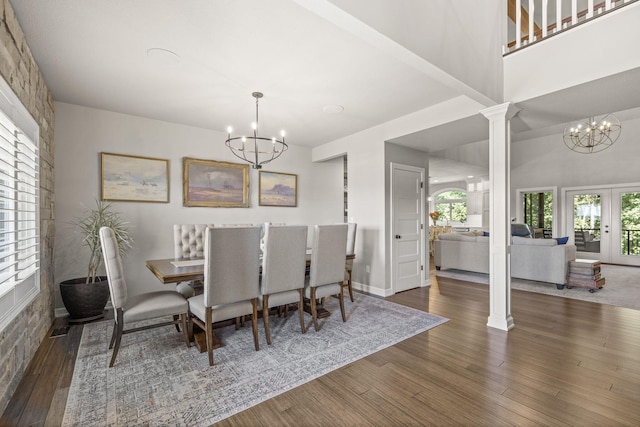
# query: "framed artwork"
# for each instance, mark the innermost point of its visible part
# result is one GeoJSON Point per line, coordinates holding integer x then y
{"type": "Point", "coordinates": [127, 178]}
{"type": "Point", "coordinates": [278, 189]}
{"type": "Point", "coordinates": [215, 184]}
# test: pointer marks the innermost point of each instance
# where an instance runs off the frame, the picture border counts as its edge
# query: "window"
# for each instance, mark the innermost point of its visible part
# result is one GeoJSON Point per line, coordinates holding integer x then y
{"type": "Point", "coordinates": [19, 207]}
{"type": "Point", "coordinates": [452, 206]}
{"type": "Point", "coordinates": [538, 210]}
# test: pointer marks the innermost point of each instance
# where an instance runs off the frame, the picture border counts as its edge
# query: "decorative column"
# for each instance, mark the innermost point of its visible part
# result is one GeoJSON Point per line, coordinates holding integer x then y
{"type": "Point", "coordinates": [499, 220]}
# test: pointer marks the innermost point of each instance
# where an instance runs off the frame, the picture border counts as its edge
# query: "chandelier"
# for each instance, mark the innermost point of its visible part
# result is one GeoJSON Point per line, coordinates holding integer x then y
{"type": "Point", "coordinates": [254, 149]}
{"type": "Point", "coordinates": [592, 135]}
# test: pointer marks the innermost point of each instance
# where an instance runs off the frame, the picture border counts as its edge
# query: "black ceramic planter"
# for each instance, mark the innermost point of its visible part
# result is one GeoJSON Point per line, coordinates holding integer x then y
{"type": "Point", "coordinates": [83, 301]}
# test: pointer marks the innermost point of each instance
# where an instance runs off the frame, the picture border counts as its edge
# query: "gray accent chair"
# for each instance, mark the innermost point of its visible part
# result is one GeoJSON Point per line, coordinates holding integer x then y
{"type": "Point", "coordinates": [283, 270]}
{"type": "Point", "coordinates": [326, 275]}
{"type": "Point", "coordinates": [128, 309]}
{"type": "Point", "coordinates": [231, 280]}
{"type": "Point", "coordinates": [351, 248]}
{"type": "Point", "coordinates": [188, 242]}
{"type": "Point", "coordinates": [521, 230]}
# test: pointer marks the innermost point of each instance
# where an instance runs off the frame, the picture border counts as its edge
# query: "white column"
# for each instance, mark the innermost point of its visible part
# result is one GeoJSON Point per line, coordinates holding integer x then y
{"type": "Point", "coordinates": [499, 218]}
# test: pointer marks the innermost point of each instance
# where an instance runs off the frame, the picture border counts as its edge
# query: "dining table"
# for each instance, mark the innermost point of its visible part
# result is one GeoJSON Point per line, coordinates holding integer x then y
{"type": "Point", "coordinates": [176, 270]}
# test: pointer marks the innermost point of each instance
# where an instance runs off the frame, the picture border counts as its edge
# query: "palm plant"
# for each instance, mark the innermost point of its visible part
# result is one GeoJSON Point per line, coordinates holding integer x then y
{"type": "Point", "coordinates": [89, 225]}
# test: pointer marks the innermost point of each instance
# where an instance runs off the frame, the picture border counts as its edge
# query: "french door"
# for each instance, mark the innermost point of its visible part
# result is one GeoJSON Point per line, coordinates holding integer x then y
{"type": "Point", "coordinates": [604, 223]}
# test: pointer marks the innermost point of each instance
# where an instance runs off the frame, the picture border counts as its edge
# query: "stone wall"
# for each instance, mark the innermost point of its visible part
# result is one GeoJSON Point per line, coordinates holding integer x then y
{"type": "Point", "coordinates": [21, 339]}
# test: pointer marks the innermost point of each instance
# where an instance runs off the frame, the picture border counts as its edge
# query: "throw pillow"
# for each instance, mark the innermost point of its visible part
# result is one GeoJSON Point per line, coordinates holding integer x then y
{"type": "Point", "coordinates": [562, 240]}
{"type": "Point", "coordinates": [485, 233]}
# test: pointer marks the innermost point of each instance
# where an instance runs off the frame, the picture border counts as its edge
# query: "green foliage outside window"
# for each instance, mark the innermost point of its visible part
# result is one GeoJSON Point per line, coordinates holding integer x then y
{"type": "Point", "coordinates": [630, 208]}
{"type": "Point", "coordinates": [538, 210]}
{"type": "Point", "coordinates": [452, 206]}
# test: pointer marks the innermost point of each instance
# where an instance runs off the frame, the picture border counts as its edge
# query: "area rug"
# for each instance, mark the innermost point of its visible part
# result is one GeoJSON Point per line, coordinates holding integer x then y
{"type": "Point", "coordinates": [622, 287]}
{"type": "Point", "coordinates": [156, 380]}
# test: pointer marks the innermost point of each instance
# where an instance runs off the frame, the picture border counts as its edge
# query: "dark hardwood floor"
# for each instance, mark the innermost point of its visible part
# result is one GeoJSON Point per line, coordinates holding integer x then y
{"type": "Point", "coordinates": [566, 363]}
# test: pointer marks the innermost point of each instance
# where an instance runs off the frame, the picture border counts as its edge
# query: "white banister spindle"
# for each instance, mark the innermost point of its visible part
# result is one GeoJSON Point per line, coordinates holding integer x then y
{"type": "Point", "coordinates": [590, 9]}
{"type": "Point", "coordinates": [607, 4]}
{"type": "Point", "coordinates": [531, 21]}
{"type": "Point", "coordinates": [545, 6]}
{"type": "Point", "coordinates": [558, 15]}
{"type": "Point", "coordinates": [574, 12]}
{"type": "Point", "coordinates": [518, 22]}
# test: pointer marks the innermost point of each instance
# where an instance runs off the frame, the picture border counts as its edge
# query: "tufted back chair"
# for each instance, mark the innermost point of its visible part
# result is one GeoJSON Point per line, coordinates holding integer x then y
{"type": "Point", "coordinates": [188, 240]}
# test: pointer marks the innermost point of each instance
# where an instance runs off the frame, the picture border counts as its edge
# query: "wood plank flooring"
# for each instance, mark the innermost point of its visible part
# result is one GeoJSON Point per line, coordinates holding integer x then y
{"type": "Point", "coordinates": [566, 363]}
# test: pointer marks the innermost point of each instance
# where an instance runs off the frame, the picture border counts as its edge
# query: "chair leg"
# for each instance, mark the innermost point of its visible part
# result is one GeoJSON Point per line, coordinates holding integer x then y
{"type": "Point", "coordinates": [350, 286]}
{"type": "Point", "coordinates": [314, 311]}
{"type": "Point", "coordinates": [185, 328]}
{"type": "Point", "coordinates": [113, 335]}
{"type": "Point", "coordinates": [265, 317]}
{"type": "Point", "coordinates": [175, 319]}
{"type": "Point", "coordinates": [254, 323]}
{"type": "Point", "coordinates": [190, 325]}
{"type": "Point", "coordinates": [208, 320]}
{"type": "Point", "coordinates": [341, 296]}
{"type": "Point", "coordinates": [301, 310]}
{"type": "Point", "coordinates": [119, 327]}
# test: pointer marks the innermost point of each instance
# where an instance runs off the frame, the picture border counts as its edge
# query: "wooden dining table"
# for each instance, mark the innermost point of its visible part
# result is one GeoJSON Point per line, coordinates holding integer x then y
{"type": "Point", "coordinates": [176, 270]}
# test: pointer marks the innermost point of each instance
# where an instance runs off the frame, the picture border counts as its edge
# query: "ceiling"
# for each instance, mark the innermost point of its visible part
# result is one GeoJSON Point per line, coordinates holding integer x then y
{"type": "Point", "coordinates": [197, 62]}
{"type": "Point", "coordinates": [118, 55]}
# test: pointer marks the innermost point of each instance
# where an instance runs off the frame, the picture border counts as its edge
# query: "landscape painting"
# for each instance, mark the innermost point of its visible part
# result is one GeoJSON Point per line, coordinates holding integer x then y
{"type": "Point", "coordinates": [134, 179]}
{"type": "Point", "coordinates": [278, 189]}
{"type": "Point", "coordinates": [210, 183]}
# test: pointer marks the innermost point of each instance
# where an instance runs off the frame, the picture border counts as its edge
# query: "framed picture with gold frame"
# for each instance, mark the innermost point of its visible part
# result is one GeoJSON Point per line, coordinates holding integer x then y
{"type": "Point", "coordinates": [213, 184]}
{"type": "Point", "coordinates": [126, 178]}
{"type": "Point", "coordinates": [278, 189]}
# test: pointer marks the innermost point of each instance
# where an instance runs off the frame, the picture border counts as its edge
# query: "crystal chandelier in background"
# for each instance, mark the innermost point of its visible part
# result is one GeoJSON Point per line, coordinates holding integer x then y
{"type": "Point", "coordinates": [592, 135]}
{"type": "Point", "coordinates": [255, 149]}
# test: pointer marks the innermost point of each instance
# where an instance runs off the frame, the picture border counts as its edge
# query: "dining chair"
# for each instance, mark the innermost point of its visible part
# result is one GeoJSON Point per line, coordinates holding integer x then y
{"type": "Point", "coordinates": [231, 280]}
{"type": "Point", "coordinates": [146, 306]}
{"type": "Point", "coordinates": [188, 242]}
{"type": "Point", "coordinates": [283, 270]}
{"type": "Point", "coordinates": [351, 248]}
{"type": "Point", "coordinates": [328, 253]}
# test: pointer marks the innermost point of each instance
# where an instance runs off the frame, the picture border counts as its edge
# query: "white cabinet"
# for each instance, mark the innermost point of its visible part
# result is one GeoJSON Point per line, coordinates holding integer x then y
{"type": "Point", "coordinates": [475, 202]}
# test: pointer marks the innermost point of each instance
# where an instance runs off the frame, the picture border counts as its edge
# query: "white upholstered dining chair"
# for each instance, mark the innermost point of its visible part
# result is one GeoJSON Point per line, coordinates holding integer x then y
{"type": "Point", "coordinates": [351, 248]}
{"type": "Point", "coordinates": [283, 270]}
{"type": "Point", "coordinates": [326, 275]}
{"type": "Point", "coordinates": [147, 306]}
{"type": "Point", "coordinates": [231, 280]}
{"type": "Point", "coordinates": [188, 242]}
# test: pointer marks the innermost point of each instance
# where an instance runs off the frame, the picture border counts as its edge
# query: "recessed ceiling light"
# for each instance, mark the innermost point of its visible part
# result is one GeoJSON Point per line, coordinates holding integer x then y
{"type": "Point", "coordinates": [163, 56]}
{"type": "Point", "coordinates": [469, 176]}
{"type": "Point", "coordinates": [333, 109]}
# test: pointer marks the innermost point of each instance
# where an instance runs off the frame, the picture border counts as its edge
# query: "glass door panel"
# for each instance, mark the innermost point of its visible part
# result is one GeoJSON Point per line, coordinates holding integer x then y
{"type": "Point", "coordinates": [626, 226]}
{"type": "Point", "coordinates": [589, 227]}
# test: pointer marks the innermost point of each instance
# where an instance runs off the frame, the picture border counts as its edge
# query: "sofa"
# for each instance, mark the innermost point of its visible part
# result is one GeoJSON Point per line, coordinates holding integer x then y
{"type": "Point", "coordinates": [542, 260]}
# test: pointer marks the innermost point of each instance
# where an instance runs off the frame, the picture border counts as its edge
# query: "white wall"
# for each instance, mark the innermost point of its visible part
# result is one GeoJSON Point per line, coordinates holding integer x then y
{"type": "Point", "coordinates": [365, 152]}
{"type": "Point", "coordinates": [82, 133]}
{"type": "Point", "coordinates": [547, 162]}
{"type": "Point", "coordinates": [596, 49]}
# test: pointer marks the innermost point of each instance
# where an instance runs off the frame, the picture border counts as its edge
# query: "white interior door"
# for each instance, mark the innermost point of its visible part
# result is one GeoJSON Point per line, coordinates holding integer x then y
{"type": "Point", "coordinates": [407, 230]}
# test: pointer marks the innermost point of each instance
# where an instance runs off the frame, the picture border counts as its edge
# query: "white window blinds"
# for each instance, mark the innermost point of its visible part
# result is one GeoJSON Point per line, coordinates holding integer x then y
{"type": "Point", "coordinates": [19, 213]}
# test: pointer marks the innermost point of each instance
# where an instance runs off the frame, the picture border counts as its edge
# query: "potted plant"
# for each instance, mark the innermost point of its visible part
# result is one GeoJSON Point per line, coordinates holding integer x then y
{"type": "Point", "coordinates": [85, 297]}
